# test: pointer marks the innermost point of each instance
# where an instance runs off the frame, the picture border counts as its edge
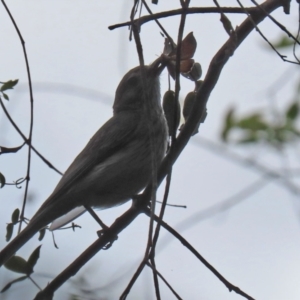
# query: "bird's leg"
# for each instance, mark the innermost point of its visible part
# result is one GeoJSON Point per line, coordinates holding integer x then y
{"type": "Point", "coordinates": [95, 216]}
{"type": "Point", "coordinates": [103, 226]}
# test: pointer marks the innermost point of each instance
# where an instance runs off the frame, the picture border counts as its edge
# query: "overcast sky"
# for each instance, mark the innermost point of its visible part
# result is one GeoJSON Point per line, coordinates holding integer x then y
{"type": "Point", "coordinates": [76, 63]}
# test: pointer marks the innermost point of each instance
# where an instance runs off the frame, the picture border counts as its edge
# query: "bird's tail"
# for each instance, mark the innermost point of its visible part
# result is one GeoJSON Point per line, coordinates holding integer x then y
{"type": "Point", "coordinates": [25, 235]}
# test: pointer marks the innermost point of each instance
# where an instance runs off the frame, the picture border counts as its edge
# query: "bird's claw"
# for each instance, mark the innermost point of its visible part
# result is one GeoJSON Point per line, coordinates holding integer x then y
{"type": "Point", "coordinates": [101, 232]}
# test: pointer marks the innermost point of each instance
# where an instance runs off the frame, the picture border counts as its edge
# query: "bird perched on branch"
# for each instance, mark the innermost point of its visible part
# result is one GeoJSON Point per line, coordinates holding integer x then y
{"type": "Point", "coordinates": [117, 162]}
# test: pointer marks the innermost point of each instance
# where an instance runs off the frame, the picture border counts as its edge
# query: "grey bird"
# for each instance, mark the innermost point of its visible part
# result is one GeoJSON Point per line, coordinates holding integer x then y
{"type": "Point", "coordinates": [116, 163]}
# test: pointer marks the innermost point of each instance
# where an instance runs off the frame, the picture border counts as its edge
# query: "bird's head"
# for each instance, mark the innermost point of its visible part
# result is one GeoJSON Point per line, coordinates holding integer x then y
{"type": "Point", "coordinates": [138, 85]}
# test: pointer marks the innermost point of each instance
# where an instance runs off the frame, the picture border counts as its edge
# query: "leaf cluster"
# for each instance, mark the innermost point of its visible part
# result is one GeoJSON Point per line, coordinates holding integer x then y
{"type": "Point", "coordinates": [19, 265]}
{"type": "Point", "coordinates": [254, 128]}
{"type": "Point", "coordinates": [8, 85]}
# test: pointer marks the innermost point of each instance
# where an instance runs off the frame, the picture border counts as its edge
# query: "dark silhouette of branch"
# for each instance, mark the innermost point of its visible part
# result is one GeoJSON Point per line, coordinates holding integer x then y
{"type": "Point", "coordinates": [216, 66]}
{"type": "Point", "coordinates": [297, 37]}
{"type": "Point", "coordinates": [154, 166]}
{"type": "Point", "coordinates": [164, 280]}
{"type": "Point", "coordinates": [46, 161]}
{"type": "Point", "coordinates": [157, 22]}
{"type": "Point", "coordinates": [151, 254]}
{"type": "Point", "coordinates": [108, 235]}
{"type": "Point", "coordinates": [29, 140]}
{"type": "Point", "coordinates": [212, 76]}
{"type": "Point", "coordinates": [220, 207]}
{"type": "Point", "coordinates": [191, 10]}
{"type": "Point", "coordinates": [150, 249]}
{"type": "Point", "coordinates": [283, 57]}
{"type": "Point", "coordinates": [283, 28]}
{"type": "Point", "coordinates": [180, 238]}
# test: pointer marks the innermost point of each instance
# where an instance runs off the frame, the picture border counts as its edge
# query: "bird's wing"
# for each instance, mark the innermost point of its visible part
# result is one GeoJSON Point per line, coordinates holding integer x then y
{"type": "Point", "coordinates": [116, 133]}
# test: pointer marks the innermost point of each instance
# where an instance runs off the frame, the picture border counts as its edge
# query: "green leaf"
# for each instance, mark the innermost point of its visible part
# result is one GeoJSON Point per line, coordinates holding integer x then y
{"type": "Point", "coordinates": [253, 122]}
{"type": "Point", "coordinates": [19, 265]}
{"type": "Point", "coordinates": [284, 42]}
{"type": "Point", "coordinates": [9, 231]}
{"type": "Point", "coordinates": [42, 234]}
{"type": "Point", "coordinates": [5, 96]}
{"type": "Point", "coordinates": [33, 258]}
{"type": "Point", "coordinates": [281, 135]}
{"type": "Point", "coordinates": [293, 111]}
{"type": "Point", "coordinates": [15, 216]}
{"type": "Point", "coordinates": [12, 282]}
{"type": "Point", "coordinates": [8, 85]}
{"type": "Point", "coordinates": [249, 139]}
{"type": "Point", "coordinates": [229, 123]}
{"type": "Point", "coordinates": [2, 180]}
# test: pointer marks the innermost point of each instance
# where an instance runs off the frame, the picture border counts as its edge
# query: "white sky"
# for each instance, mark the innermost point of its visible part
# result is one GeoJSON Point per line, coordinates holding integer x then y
{"type": "Point", "coordinates": [76, 64]}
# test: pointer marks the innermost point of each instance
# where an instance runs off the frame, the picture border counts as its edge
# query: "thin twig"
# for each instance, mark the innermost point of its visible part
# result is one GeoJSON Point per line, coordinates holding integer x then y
{"type": "Point", "coordinates": [212, 76]}
{"type": "Point", "coordinates": [155, 277]}
{"type": "Point", "coordinates": [157, 22]}
{"type": "Point", "coordinates": [154, 166]}
{"type": "Point", "coordinates": [174, 205]}
{"type": "Point", "coordinates": [34, 282]}
{"type": "Point", "coordinates": [47, 162]}
{"type": "Point", "coordinates": [29, 140]}
{"type": "Point", "coordinates": [132, 14]}
{"type": "Point", "coordinates": [164, 280]}
{"type": "Point", "coordinates": [277, 23]}
{"type": "Point", "coordinates": [108, 235]}
{"type": "Point", "coordinates": [297, 36]}
{"type": "Point", "coordinates": [220, 207]}
{"type": "Point", "coordinates": [283, 57]}
{"type": "Point", "coordinates": [151, 254]}
{"type": "Point", "coordinates": [161, 214]}
{"type": "Point", "coordinates": [192, 10]}
{"type": "Point", "coordinates": [229, 285]}
{"type": "Point", "coordinates": [95, 216]}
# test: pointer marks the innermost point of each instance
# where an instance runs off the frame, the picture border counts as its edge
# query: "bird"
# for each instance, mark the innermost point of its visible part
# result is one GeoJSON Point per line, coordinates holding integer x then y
{"type": "Point", "coordinates": [116, 164]}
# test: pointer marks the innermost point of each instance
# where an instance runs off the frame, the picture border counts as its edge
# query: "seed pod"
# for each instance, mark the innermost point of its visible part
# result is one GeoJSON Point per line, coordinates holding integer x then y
{"type": "Point", "coordinates": [171, 109]}
{"type": "Point", "coordinates": [194, 73]}
{"type": "Point", "coordinates": [188, 105]}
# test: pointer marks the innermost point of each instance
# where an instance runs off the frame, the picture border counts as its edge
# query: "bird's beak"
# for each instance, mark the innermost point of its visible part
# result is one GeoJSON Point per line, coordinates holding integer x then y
{"type": "Point", "coordinates": [158, 65]}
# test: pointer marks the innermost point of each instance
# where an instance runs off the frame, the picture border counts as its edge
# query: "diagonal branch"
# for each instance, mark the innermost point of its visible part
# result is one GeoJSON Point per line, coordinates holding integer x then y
{"type": "Point", "coordinates": [214, 71]}
{"type": "Point", "coordinates": [108, 235]}
{"type": "Point", "coordinates": [47, 162]}
{"type": "Point", "coordinates": [229, 285]}
{"type": "Point", "coordinates": [192, 10]}
{"type": "Point", "coordinates": [213, 74]}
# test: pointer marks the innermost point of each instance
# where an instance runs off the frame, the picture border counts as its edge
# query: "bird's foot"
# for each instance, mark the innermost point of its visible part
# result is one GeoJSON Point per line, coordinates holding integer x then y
{"type": "Point", "coordinates": [101, 232]}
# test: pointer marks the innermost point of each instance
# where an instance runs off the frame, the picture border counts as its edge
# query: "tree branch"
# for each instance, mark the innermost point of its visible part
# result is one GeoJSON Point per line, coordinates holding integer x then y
{"type": "Point", "coordinates": [212, 76]}
{"type": "Point", "coordinates": [192, 10]}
